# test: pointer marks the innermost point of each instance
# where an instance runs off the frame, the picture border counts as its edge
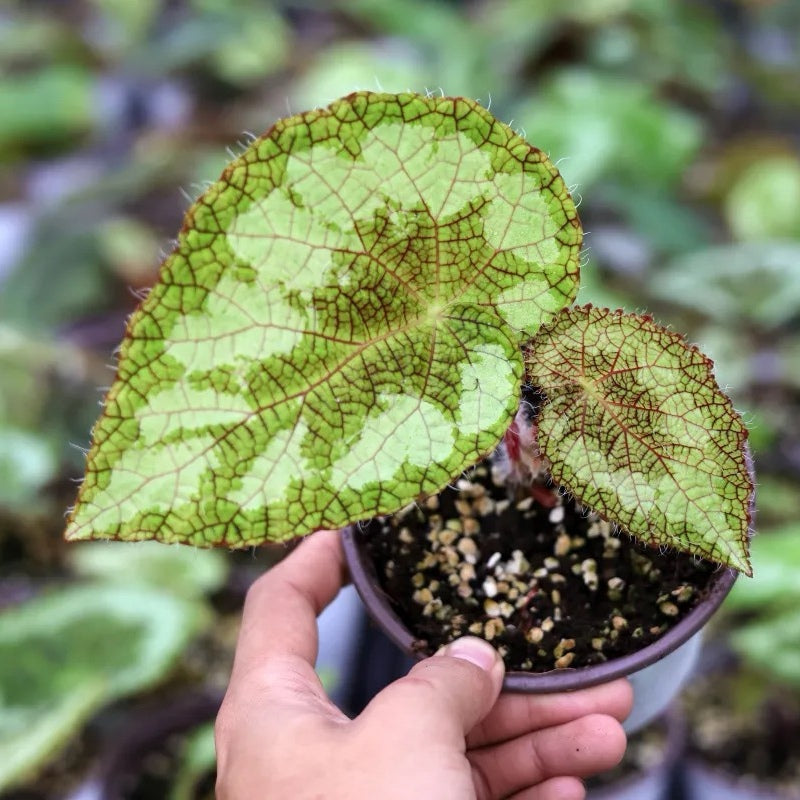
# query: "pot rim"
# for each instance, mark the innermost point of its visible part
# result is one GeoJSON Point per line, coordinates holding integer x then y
{"type": "Point", "coordinates": [362, 573]}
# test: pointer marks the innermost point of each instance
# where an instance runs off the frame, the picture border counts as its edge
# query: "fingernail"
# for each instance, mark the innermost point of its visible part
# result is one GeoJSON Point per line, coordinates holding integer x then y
{"type": "Point", "coordinates": [471, 649]}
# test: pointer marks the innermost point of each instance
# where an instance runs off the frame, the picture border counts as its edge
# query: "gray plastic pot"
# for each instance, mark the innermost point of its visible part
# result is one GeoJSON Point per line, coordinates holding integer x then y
{"type": "Point", "coordinates": [657, 672]}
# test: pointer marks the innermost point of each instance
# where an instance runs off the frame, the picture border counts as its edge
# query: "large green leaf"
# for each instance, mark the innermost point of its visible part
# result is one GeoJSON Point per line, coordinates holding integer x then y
{"type": "Point", "coordinates": [338, 329]}
{"type": "Point", "coordinates": [636, 427]}
{"type": "Point", "coordinates": [65, 655]}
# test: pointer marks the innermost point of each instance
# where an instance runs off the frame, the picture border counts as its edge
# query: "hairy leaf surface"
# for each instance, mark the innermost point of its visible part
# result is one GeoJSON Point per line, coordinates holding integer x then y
{"type": "Point", "coordinates": [338, 329]}
{"type": "Point", "coordinates": [637, 428]}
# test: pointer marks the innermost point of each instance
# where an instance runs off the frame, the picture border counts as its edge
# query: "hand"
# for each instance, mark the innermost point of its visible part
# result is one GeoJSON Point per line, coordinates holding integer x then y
{"type": "Point", "coordinates": [443, 732]}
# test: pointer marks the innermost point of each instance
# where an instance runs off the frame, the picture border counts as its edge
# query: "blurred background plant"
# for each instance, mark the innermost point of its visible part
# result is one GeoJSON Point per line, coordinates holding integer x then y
{"type": "Point", "coordinates": [743, 710]}
{"type": "Point", "coordinates": [678, 123]}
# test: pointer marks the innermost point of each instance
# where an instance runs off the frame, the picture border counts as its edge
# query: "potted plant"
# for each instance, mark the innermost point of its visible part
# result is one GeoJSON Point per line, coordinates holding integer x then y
{"type": "Point", "coordinates": [346, 326]}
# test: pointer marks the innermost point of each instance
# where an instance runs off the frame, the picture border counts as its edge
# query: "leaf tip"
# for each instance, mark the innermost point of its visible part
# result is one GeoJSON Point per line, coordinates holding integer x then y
{"type": "Point", "coordinates": [77, 531]}
{"type": "Point", "coordinates": [73, 534]}
{"type": "Point", "coordinates": [739, 559]}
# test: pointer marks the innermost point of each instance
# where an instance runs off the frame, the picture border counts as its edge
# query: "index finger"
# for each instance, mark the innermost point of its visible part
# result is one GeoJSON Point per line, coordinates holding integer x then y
{"type": "Point", "coordinates": [282, 606]}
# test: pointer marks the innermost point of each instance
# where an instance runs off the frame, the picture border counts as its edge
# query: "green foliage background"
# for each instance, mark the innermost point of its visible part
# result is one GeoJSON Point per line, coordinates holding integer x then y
{"type": "Point", "coordinates": [677, 123]}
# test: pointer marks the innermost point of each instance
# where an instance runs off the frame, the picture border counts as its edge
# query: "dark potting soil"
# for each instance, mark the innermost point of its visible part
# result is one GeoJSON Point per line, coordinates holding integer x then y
{"type": "Point", "coordinates": [548, 583]}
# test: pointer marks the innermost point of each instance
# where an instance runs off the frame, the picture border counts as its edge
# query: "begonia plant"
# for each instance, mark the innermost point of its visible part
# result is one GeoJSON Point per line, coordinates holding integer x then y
{"type": "Point", "coordinates": [345, 325]}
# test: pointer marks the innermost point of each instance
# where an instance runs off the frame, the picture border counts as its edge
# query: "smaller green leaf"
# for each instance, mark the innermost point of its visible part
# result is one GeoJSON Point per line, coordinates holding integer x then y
{"type": "Point", "coordinates": [637, 428]}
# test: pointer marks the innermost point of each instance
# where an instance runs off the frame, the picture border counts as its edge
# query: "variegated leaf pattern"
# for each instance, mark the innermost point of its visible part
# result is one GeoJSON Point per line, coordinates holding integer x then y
{"type": "Point", "coordinates": [338, 329]}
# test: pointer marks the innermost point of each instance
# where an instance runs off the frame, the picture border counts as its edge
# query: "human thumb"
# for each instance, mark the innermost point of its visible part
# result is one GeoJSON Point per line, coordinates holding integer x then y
{"type": "Point", "coordinates": [446, 694]}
